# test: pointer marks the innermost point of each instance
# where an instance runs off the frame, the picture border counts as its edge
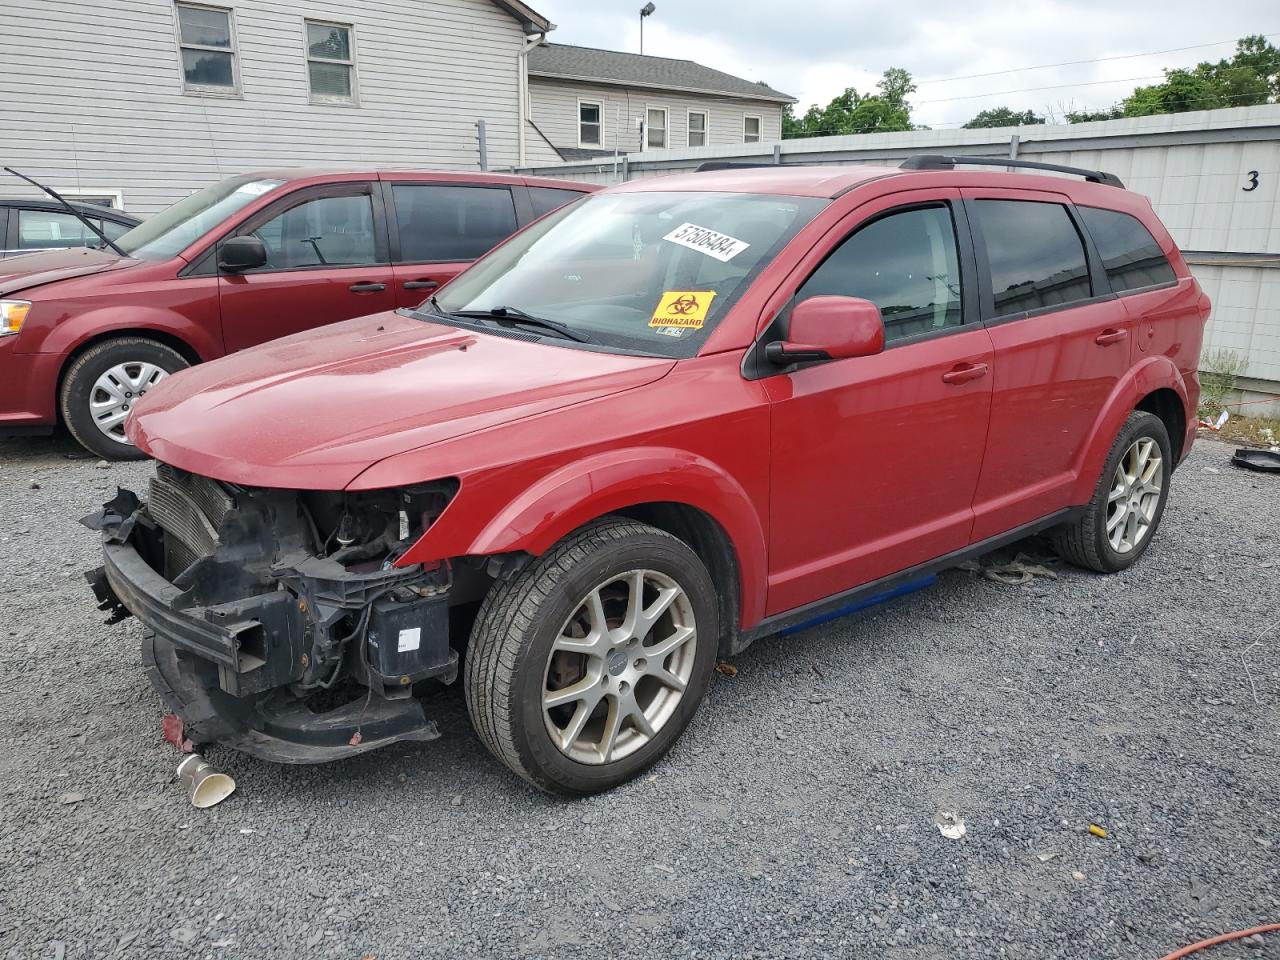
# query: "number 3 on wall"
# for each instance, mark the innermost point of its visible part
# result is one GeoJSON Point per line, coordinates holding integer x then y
{"type": "Point", "coordinates": [1253, 182]}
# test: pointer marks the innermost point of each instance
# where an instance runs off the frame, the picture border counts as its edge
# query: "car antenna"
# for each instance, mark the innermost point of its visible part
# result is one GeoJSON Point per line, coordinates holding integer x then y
{"type": "Point", "coordinates": [70, 209]}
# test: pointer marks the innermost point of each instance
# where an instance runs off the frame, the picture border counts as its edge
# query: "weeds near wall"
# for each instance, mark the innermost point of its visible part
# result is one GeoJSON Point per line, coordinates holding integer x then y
{"type": "Point", "coordinates": [1218, 373]}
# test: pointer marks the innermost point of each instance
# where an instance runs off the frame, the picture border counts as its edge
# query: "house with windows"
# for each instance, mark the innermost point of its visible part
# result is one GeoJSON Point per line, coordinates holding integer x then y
{"type": "Point", "coordinates": [586, 103]}
{"type": "Point", "coordinates": [135, 105]}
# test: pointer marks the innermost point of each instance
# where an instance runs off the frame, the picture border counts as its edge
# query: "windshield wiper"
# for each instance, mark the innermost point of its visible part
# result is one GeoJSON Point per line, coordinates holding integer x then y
{"type": "Point", "coordinates": [514, 315]}
{"type": "Point", "coordinates": [70, 209]}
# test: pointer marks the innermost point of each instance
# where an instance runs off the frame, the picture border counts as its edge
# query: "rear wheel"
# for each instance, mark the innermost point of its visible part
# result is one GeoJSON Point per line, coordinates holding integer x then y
{"type": "Point", "coordinates": [586, 666]}
{"type": "Point", "coordinates": [1117, 525]}
{"type": "Point", "coordinates": [104, 383]}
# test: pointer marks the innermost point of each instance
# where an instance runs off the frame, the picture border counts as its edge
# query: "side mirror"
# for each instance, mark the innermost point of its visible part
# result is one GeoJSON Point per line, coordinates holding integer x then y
{"type": "Point", "coordinates": [237, 254]}
{"type": "Point", "coordinates": [829, 328]}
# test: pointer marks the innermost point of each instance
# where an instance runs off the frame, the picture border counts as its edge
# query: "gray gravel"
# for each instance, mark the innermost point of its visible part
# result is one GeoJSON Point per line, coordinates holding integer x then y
{"type": "Point", "coordinates": [794, 819]}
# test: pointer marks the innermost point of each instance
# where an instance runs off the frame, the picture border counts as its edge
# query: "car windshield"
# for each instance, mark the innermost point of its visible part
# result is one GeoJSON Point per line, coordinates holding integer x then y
{"type": "Point", "coordinates": [647, 272]}
{"type": "Point", "coordinates": [176, 227]}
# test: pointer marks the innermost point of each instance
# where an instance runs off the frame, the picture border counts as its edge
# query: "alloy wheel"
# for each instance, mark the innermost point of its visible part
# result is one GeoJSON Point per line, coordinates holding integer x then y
{"type": "Point", "coordinates": [1136, 487]}
{"type": "Point", "coordinates": [115, 392]}
{"type": "Point", "coordinates": [619, 667]}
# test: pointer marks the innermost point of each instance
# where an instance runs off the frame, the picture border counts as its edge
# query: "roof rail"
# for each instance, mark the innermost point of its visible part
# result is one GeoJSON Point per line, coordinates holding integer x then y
{"type": "Point", "coordinates": [709, 165]}
{"type": "Point", "coordinates": [930, 161]}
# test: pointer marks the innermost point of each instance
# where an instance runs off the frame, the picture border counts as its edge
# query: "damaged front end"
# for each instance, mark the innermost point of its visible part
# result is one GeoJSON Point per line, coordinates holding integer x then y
{"type": "Point", "coordinates": [277, 621]}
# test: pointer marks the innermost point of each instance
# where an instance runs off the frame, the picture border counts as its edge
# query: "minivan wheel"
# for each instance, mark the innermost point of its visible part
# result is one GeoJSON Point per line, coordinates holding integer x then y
{"type": "Point", "coordinates": [102, 386]}
{"type": "Point", "coordinates": [1117, 525]}
{"type": "Point", "coordinates": [585, 667]}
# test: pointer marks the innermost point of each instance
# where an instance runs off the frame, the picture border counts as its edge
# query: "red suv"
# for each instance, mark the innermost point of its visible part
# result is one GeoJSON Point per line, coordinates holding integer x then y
{"type": "Point", "coordinates": [84, 333]}
{"type": "Point", "coordinates": [656, 425]}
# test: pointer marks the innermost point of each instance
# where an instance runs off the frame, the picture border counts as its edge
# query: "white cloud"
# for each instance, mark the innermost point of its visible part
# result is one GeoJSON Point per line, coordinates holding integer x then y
{"type": "Point", "coordinates": [813, 49]}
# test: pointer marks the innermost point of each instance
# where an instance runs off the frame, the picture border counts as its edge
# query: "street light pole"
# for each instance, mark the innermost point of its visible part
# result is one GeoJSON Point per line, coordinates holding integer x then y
{"type": "Point", "coordinates": [647, 9]}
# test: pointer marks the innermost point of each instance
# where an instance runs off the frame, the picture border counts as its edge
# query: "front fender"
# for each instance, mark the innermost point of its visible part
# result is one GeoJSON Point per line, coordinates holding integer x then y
{"type": "Point", "coordinates": [1151, 374]}
{"type": "Point", "coordinates": [70, 332]}
{"type": "Point", "coordinates": [574, 494]}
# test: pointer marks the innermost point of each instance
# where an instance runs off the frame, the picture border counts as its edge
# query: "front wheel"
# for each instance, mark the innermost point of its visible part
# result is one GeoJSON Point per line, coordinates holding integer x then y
{"type": "Point", "coordinates": [585, 667]}
{"type": "Point", "coordinates": [1116, 526]}
{"type": "Point", "coordinates": [104, 383]}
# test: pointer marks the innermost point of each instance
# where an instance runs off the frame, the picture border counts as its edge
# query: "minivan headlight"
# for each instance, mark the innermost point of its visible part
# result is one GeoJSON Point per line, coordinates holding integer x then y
{"type": "Point", "coordinates": [13, 313]}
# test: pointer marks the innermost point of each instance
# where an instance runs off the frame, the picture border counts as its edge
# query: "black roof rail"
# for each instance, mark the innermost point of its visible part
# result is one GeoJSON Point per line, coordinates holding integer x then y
{"type": "Point", "coordinates": [708, 165]}
{"type": "Point", "coordinates": [932, 161]}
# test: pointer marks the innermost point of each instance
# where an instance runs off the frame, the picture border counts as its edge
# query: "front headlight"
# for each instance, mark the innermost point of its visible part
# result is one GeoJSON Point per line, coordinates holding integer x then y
{"type": "Point", "coordinates": [13, 313]}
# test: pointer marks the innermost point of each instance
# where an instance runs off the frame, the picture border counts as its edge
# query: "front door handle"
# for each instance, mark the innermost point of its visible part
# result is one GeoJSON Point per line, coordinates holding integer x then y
{"type": "Point", "coordinates": [367, 287]}
{"type": "Point", "coordinates": [421, 284]}
{"type": "Point", "coordinates": [1110, 335]}
{"type": "Point", "coordinates": [964, 372]}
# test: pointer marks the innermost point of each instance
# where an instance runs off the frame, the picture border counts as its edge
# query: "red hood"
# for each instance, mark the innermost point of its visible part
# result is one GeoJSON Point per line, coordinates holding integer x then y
{"type": "Point", "coordinates": [314, 410]}
{"type": "Point", "coordinates": [32, 269]}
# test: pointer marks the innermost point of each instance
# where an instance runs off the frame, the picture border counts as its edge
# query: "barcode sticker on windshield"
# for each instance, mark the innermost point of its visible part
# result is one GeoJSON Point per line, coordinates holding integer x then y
{"type": "Point", "coordinates": [719, 245]}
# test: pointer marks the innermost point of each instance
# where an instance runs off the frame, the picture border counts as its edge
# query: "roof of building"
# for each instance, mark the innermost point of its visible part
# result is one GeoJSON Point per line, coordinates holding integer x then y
{"type": "Point", "coordinates": [530, 19]}
{"type": "Point", "coordinates": [565, 62]}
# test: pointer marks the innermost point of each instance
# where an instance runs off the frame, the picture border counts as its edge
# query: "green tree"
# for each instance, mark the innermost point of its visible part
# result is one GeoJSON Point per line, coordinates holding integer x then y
{"type": "Point", "coordinates": [1250, 77]}
{"type": "Point", "coordinates": [1003, 117]}
{"type": "Point", "coordinates": [852, 112]}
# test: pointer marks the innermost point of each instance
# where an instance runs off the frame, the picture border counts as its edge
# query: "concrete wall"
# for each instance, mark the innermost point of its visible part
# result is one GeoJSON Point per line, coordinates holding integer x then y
{"type": "Point", "coordinates": [555, 110]}
{"type": "Point", "coordinates": [91, 94]}
{"type": "Point", "coordinates": [1195, 167]}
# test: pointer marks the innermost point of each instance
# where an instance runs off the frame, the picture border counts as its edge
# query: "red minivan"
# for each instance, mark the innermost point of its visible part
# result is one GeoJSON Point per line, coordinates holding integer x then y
{"type": "Point", "coordinates": [85, 332]}
{"type": "Point", "coordinates": [674, 417]}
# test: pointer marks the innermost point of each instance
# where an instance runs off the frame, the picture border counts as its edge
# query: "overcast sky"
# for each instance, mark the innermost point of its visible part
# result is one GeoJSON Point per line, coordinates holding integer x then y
{"type": "Point", "coordinates": [813, 49]}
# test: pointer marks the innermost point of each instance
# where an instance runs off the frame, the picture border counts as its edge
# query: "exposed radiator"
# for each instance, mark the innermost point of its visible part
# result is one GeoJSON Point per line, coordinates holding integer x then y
{"type": "Point", "coordinates": [189, 509]}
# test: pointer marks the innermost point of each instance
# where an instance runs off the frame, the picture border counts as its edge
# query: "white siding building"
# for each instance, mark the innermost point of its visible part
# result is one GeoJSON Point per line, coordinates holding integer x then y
{"type": "Point", "coordinates": [144, 101]}
{"type": "Point", "coordinates": [586, 102]}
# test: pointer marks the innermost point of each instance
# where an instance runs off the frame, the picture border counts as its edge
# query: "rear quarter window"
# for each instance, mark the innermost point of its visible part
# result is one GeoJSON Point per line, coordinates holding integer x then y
{"type": "Point", "coordinates": [546, 199]}
{"type": "Point", "coordinates": [1130, 254]}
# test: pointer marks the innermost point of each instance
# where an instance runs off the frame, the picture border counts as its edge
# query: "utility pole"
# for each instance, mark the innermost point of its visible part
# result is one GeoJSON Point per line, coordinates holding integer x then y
{"type": "Point", "coordinates": [647, 9]}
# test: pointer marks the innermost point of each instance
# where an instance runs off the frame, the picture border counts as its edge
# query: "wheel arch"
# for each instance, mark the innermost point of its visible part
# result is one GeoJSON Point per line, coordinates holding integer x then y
{"type": "Point", "coordinates": [1154, 381]}
{"type": "Point", "coordinates": [165, 337]}
{"type": "Point", "coordinates": [1168, 406]}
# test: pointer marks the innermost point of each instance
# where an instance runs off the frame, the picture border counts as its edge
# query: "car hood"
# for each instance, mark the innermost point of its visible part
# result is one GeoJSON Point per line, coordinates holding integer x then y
{"type": "Point", "coordinates": [34, 269]}
{"type": "Point", "coordinates": [315, 410]}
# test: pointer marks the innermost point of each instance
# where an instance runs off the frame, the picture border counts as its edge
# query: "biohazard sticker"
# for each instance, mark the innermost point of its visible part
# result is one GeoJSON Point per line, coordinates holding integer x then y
{"type": "Point", "coordinates": [719, 245]}
{"type": "Point", "coordinates": [686, 309]}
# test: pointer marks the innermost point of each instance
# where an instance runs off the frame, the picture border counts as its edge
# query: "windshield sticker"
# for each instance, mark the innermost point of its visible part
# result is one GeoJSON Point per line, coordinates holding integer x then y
{"type": "Point", "coordinates": [685, 309]}
{"type": "Point", "coordinates": [719, 245]}
{"type": "Point", "coordinates": [258, 187]}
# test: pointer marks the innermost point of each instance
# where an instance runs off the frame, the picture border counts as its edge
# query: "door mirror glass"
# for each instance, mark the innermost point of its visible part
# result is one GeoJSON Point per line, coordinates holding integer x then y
{"type": "Point", "coordinates": [237, 254]}
{"type": "Point", "coordinates": [830, 328]}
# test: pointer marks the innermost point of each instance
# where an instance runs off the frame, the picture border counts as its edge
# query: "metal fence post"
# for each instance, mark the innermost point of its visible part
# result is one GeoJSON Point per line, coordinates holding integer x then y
{"type": "Point", "coordinates": [626, 169]}
{"type": "Point", "coordinates": [777, 153]}
{"type": "Point", "coordinates": [482, 140]}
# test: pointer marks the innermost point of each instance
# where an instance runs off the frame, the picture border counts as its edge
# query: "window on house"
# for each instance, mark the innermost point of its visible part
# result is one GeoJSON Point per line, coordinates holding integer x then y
{"type": "Point", "coordinates": [750, 129]}
{"type": "Point", "coordinates": [656, 128]}
{"type": "Point", "coordinates": [330, 63]}
{"type": "Point", "coordinates": [589, 129]}
{"type": "Point", "coordinates": [905, 263]}
{"type": "Point", "coordinates": [206, 42]}
{"type": "Point", "coordinates": [1130, 254]}
{"type": "Point", "coordinates": [1035, 255]}
{"type": "Point", "coordinates": [697, 128]}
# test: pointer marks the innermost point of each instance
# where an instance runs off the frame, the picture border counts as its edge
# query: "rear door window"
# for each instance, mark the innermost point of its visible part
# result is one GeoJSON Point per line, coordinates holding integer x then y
{"type": "Point", "coordinates": [1034, 253]}
{"type": "Point", "coordinates": [46, 230]}
{"type": "Point", "coordinates": [906, 263]}
{"type": "Point", "coordinates": [546, 199]}
{"type": "Point", "coordinates": [1130, 254]}
{"type": "Point", "coordinates": [443, 222]}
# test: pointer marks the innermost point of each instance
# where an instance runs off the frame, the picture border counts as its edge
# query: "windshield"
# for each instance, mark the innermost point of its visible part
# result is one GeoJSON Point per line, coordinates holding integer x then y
{"type": "Point", "coordinates": [647, 272]}
{"type": "Point", "coordinates": [176, 227]}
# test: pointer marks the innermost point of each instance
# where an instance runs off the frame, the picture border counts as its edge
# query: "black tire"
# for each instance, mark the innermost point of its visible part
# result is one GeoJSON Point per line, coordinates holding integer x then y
{"type": "Point", "coordinates": [78, 385]}
{"type": "Point", "coordinates": [511, 644]}
{"type": "Point", "coordinates": [1084, 541]}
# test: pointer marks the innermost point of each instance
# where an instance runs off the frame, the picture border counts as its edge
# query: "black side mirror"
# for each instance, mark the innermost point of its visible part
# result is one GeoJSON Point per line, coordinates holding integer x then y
{"type": "Point", "coordinates": [238, 254]}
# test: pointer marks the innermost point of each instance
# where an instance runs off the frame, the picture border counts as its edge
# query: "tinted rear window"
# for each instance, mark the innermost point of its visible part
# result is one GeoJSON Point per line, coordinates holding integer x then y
{"type": "Point", "coordinates": [546, 199]}
{"type": "Point", "coordinates": [1036, 257]}
{"type": "Point", "coordinates": [1129, 252]}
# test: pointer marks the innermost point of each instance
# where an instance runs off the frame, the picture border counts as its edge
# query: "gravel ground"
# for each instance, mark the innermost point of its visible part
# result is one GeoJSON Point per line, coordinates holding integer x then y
{"type": "Point", "coordinates": [796, 817]}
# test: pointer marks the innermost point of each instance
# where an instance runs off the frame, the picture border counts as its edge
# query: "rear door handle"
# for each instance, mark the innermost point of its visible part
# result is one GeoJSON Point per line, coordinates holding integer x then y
{"type": "Point", "coordinates": [964, 372]}
{"type": "Point", "coordinates": [1110, 335]}
{"type": "Point", "coordinates": [367, 287]}
{"type": "Point", "coordinates": [421, 284]}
